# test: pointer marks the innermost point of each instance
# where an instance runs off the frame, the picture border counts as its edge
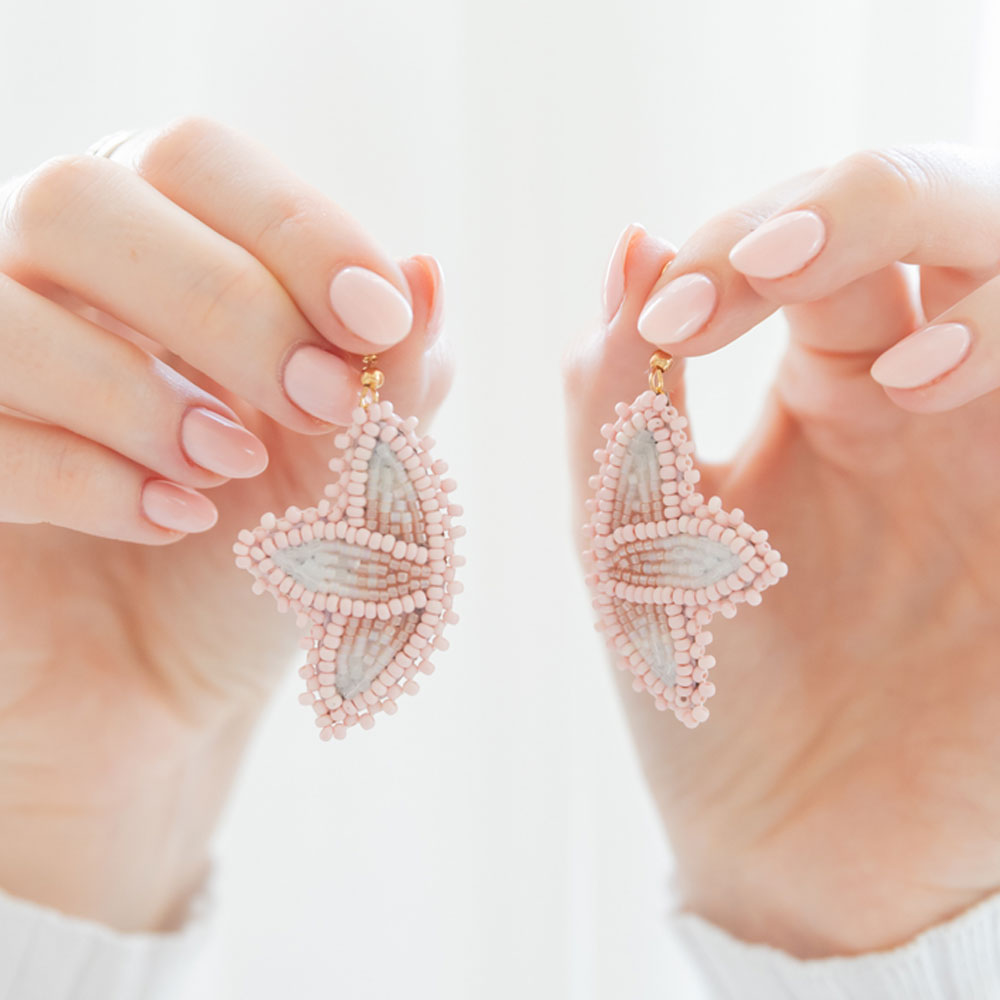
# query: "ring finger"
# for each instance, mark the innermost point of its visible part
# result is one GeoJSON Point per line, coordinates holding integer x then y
{"type": "Point", "coordinates": [63, 370]}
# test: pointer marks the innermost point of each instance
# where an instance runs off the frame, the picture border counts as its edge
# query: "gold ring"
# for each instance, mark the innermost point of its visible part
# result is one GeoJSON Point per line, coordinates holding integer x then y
{"type": "Point", "coordinates": [107, 144]}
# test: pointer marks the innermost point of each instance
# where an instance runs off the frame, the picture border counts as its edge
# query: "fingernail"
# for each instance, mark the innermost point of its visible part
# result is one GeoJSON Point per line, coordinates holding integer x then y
{"type": "Point", "coordinates": [370, 306]}
{"type": "Point", "coordinates": [614, 276]}
{"type": "Point", "coordinates": [780, 246]}
{"type": "Point", "coordinates": [219, 445]}
{"type": "Point", "coordinates": [678, 310]}
{"type": "Point", "coordinates": [321, 384]}
{"type": "Point", "coordinates": [436, 317]}
{"type": "Point", "coordinates": [176, 507]}
{"type": "Point", "coordinates": [923, 356]}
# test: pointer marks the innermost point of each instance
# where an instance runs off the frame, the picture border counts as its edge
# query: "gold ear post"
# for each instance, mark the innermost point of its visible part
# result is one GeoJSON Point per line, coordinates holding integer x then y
{"type": "Point", "coordinates": [659, 365]}
{"type": "Point", "coordinates": [372, 380]}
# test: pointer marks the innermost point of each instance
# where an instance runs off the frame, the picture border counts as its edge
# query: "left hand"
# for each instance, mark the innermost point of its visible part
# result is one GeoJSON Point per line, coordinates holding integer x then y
{"type": "Point", "coordinates": [842, 796]}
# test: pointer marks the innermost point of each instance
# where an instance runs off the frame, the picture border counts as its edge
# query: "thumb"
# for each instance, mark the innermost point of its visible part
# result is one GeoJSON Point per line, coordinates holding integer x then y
{"type": "Point", "coordinates": [613, 365]}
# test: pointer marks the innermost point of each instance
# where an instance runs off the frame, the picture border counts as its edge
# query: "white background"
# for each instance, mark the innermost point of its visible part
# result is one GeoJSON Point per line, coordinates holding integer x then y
{"type": "Point", "coordinates": [494, 840]}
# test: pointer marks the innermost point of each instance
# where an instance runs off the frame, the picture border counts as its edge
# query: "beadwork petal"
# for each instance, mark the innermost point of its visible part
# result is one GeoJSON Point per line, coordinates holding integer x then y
{"type": "Point", "coordinates": [369, 570]}
{"type": "Point", "coordinates": [665, 560]}
{"type": "Point", "coordinates": [335, 566]}
{"type": "Point", "coordinates": [364, 652]}
{"type": "Point", "coordinates": [674, 561]}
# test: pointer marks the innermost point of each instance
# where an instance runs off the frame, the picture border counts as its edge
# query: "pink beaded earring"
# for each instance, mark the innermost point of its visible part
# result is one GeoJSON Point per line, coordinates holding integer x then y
{"type": "Point", "coordinates": [662, 559]}
{"type": "Point", "coordinates": [369, 571]}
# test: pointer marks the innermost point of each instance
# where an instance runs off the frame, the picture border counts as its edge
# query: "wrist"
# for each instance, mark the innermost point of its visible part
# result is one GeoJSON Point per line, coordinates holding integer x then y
{"type": "Point", "coordinates": [129, 858]}
{"type": "Point", "coordinates": [815, 905]}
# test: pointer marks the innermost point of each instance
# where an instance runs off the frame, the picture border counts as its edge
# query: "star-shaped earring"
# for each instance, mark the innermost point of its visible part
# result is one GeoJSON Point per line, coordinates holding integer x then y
{"type": "Point", "coordinates": [369, 571]}
{"type": "Point", "coordinates": [663, 559]}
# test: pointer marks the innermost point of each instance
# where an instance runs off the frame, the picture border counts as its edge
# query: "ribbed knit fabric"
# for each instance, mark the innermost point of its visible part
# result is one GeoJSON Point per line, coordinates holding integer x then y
{"type": "Point", "coordinates": [46, 955]}
{"type": "Point", "coordinates": [957, 960]}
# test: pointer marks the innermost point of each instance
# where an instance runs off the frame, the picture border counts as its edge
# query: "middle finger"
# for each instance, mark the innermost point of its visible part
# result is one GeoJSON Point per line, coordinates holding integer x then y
{"type": "Point", "coordinates": [97, 229]}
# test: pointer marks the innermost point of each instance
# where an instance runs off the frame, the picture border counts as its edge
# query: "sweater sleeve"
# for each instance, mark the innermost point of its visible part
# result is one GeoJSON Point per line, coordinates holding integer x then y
{"type": "Point", "coordinates": [47, 955]}
{"type": "Point", "coordinates": [955, 960]}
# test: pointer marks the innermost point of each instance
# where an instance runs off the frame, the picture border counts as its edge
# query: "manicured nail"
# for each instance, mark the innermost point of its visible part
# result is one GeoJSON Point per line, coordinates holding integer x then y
{"type": "Point", "coordinates": [614, 276]}
{"type": "Point", "coordinates": [923, 356]}
{"type": "Point", "coordinates": [321, 384]}
{"type": "Point", "coordinates": [176, 507]}
{"type": "Point", "coordinates": [219, 445]}
{"type": "Point", "coordinates": [780, 246]}
{"type": "Point", "coordinates": [433, 268]}
{"type": "Point", "coordinates": [678, 310]}
{"type": "Point", "coordinates": [370, 306]}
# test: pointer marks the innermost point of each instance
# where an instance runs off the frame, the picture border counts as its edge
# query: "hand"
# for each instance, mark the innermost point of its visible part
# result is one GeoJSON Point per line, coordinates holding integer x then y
{"type": "Point", "coordinates": [842, 796]}
{"type": "Point", "coordinates": [169, 323]}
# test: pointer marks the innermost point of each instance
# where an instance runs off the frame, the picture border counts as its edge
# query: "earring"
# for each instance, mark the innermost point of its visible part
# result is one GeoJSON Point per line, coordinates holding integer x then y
{"type": "Point", "coordinates": [369, 571]}
{"type": "Point", "coordinates": [662, 559]}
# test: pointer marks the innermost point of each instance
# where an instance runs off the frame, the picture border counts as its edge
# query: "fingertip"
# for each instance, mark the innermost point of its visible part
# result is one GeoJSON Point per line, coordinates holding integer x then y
{"type": "Point", "coordinates": [616, 360]}
{"type": "Point", "coordinates": [418, 370]}
{"type": "Point", "coordinates": [645, 259]}
{"type": "Point", "coordinates": [678, 310]}
{"type": "Point", "coordinates": [221, 446]}
{"type": "Point", "coordinates": [925, 400]}
{"type": "Point", "coordinates": [370, 306]}
{"type": "Point", "coordinates": [177, 508]}
{"type": "Point", "coordinates": [781, 246]}
{"type": "Point", "coordinates": [613, 290]}
{"type": "Point", "coordinates": [425, 278]}
{"type": "Point", "coordinates": [161, 537]}
{"type": "Point", "coordinates": [922, 372]}
{"type": "Point", "coordinates": [322, 385]}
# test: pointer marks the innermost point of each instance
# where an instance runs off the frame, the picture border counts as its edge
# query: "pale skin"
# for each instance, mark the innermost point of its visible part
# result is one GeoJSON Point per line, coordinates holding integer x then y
{"type": "Point", "coordinates": [839, 797]}
{"type": "Point", "coordinates": [136, 665]}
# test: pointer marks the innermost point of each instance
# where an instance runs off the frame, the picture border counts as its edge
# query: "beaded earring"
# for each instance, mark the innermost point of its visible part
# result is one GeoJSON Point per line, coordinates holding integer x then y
{"type": "Point", "coordinates": [369, 571]}
{"type": "Point", "coordinates": [663, 560]}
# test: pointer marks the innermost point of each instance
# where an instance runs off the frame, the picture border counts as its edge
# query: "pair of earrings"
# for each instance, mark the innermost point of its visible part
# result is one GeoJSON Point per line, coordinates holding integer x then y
{"type": "Point", "coordinates": [370, 570]}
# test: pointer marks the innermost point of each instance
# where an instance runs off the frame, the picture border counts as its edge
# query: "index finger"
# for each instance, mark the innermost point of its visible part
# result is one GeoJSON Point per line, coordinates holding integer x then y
{"type": "Point", "coordinates": [354, 294]}
{"type": "Point", "coordinates": [935, 206]}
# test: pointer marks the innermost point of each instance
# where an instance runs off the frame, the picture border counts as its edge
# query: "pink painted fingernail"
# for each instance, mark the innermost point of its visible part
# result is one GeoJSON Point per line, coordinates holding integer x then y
{"type": "Point", "coordinates": [678, 310]}
{"type": "Point", "coordinates": [614, 276]}
{"type": "Point", "coordinates": [321, 384]}
{"type": "Point", "coordinates": [780, 246]}
{"type": "Point", "coordinates": [370, 306]}
{"type": "Point", "coordinates": [436, 318]}
{"type": "Point", "coordinates": [176, 507]}
{"type": "Point", "coordinates": [923, 356]}
{"type": "Point", "coordinates": [219, 445]}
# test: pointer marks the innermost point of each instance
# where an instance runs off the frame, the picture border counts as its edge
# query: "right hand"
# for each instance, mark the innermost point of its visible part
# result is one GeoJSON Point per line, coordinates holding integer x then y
{"type": "Point", "coordinates": [167, 325]}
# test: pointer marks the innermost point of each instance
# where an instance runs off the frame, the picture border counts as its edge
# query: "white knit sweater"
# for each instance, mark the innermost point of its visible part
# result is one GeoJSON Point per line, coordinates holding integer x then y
{"type": "Point", "coordinates": [956, 960]}
{"type": "Point", "coordinates": [45, 955]}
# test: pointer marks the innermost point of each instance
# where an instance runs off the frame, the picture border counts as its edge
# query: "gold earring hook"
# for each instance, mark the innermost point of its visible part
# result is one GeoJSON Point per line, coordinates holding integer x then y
{"type": "Point", "coordinates": [659, 365]}
{"type": "Point", "coordinates": [372, 380]}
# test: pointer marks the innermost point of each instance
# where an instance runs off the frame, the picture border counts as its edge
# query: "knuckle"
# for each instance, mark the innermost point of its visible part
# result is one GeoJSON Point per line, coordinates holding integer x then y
{"type": "Point", "coordinates": [223, 293]}
{"type": "Point", "coordinates": [65, 478]}
{"type": "Point", "coordinates": [178, 143]}
{"type": "Point", "coordinates": [899, 174]}
{"type": "Point", "coordinates": [288, 213]}
{"type": "Point", "coordinates": [17, 477]}
{"type": "Point", "coordinates": [51, 189]}
{"type": "Point", "coordinates": [733, 224]}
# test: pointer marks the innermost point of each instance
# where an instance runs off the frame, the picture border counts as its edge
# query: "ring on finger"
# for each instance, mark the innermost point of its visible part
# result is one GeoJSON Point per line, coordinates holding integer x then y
{"type": "Point", "coordinates": [108, 144]}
